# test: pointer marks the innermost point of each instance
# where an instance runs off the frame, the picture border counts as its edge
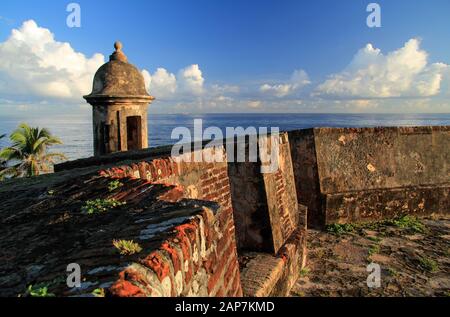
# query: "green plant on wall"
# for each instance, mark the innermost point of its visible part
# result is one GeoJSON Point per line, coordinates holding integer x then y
{"type": "Point", "coordinates": [127, 247]}
{"type": "Point", "coordinates": [98, 292]}
{"type": "Point", "coordinates": [40, 290]}
{"type": "Point", "coordinates": [100, 205]}
{"type": "Point", "coordinates": [113, 185]}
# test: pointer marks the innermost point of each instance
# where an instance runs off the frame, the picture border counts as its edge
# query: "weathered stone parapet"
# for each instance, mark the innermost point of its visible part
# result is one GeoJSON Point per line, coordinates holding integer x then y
{"type": "Point", "coordinates": [265, 204]}
{"type": "Point", "coordinates": [363, 173]}
{"type": "Point", "coordinates": [377, 204]}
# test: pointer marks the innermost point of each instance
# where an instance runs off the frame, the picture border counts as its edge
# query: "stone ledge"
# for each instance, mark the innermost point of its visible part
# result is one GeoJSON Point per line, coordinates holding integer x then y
{"type": "Point", "coordinates": [267, 275]}
{"type": "Point", "coordinates": [261, 274]}
{"type": "Point", "coordinates": [377, 204]}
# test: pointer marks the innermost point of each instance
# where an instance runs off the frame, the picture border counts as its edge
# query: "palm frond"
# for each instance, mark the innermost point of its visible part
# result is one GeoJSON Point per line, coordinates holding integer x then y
{"type": "Point", "coordinates": [10, 153]}
{"type": "Point", "coordinates": [29, 147]}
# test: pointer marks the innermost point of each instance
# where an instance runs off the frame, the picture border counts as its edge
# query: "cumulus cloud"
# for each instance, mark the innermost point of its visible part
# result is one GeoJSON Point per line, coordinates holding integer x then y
{"type": "Point", "coordinates": [298, 80]}
{"type": "Point", "coordinates": [36, 70]}
{"type": "Point", "coordinates": [161, 83]}
{"type": "Point", "coordinates": [165, 85]}
{"type": "Point", "coordinates": [191, 79]}
{"type": "Point", "coordinates": [34, 64]}
{"type": "Point", "coordinates": [402, 73]}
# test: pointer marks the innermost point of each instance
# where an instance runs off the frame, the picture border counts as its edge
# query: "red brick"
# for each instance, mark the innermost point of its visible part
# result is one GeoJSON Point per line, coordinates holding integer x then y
{"type": "Point", "coordinates": [236, 289]}
{"type": "Point", "coordinates": [123, 288]}
{"type": "Point", "coordinates": [143, 170]}
{"type": "Point", "coordinates": [230, 273]}
{"type": "Point", "coordinates": [173, 195]}
{"type": "Point", "coordinates": [219, 293]}
{"type": "Point", "coordinates": [210, 262]}
{"type": "Point", "coordinates": [126, 289]}
{"type": "Point", "coordinates": [214, 279]}
{"type": "Point", "coordinates": [157, 263]}
{"type": "Point", "coordinates": [176, 262]}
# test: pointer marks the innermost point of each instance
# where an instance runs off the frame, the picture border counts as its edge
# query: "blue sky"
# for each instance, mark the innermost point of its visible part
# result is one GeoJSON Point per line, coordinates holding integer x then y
{"type": "Point", "coordinates": [253, 56]}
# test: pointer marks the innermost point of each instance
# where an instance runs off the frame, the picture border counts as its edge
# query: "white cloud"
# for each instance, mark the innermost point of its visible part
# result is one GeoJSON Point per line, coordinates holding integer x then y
{"type": "Point", "coordinates": [191, 79]}
{"type": "Point", "coordinates": [34, 64]}
{"type": "Point", "coordinates": [162, 83]}
{"type": "Point", "coordinates": [402, 73]}
{"type": "Point", "coordinates": [298, 80]}
{"type": "Point", "coordinates": [36, 71]}
{"type": "Point", "coordinates": [188, 82]}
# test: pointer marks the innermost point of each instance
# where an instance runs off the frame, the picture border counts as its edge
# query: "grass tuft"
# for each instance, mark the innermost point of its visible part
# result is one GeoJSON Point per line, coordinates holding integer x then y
{"type": "Point", "coordinates": [339, 229]}
{"type": "Point", "coordinates": [100, 205]}
{"type": "Point", "coordinates": [428, 265]}
{"type": "Point", "coordinates": [113, 185]}
{"type": "Point", "coordinates": [409, 223]}
{"type": "Point", "coordinates": [98, 292]}
{"type": "Point", "coordinates": [127, 247]}
{"type": "Point", "coordinates": [40, 290]}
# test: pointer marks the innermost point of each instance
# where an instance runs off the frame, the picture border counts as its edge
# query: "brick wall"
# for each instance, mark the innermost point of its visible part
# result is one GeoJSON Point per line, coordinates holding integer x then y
{"type": "Point", "coordinates": [282, 203]}
{"type": "Point", "coordinates": [265, 203]}
{"type": "Point", "coordinates": [201, 259]}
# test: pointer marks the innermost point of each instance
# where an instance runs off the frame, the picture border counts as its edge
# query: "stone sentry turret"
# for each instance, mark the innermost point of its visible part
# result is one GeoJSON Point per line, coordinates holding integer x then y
{"type": "Point", "coordinates": [119, 102]}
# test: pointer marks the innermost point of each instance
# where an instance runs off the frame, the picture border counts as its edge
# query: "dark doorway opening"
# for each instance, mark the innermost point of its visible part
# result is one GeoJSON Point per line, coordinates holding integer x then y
{"type": "Point", "coordinates": [134, 137]}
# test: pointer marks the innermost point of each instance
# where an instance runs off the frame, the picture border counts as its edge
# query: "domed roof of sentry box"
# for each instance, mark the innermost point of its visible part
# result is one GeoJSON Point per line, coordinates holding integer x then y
{"type": "Point", "coordinates": [118, 78]}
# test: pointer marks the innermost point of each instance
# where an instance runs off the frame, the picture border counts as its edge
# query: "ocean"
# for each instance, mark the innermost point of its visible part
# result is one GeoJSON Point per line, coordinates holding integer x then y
{"type": "Point", "coordinates": [76, 130]}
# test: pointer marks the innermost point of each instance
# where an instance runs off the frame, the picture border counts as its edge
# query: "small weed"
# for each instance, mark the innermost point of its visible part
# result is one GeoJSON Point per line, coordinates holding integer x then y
{"type": "Point", "coordinates": [428, 265]}
{"type": "Point", "coordinates": [100, 205]}
{"type": "Point", "coordinates": [374, 249]}
{"type": "Point", "coordinates": [40, 290]}
{"type": "Point", "coordinates": [127, 247]}
{"type": "Point", "coordinates": [113, 185]}
{"type": "Point", "coordinates": [98, 292]}
{"type": "Point", "coordinates": [304, 272]}
{"type": "Point", "coordinates": [374, 239]}
{"type": "Point", "coordinates": [339, 229]}
{"type": "Point", "coordinates": [408, 222]}
{"type": "Point", "coordinates": [392, 271]}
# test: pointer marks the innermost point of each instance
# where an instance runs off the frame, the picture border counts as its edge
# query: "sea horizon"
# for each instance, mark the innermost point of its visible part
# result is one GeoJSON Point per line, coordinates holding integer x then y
{"type": "Point", "coordinates": [75, 130]}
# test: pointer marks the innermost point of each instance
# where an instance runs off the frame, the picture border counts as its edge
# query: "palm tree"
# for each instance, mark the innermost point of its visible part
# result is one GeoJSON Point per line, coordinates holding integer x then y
{"type": "Point", "coordinates": [27, 156]}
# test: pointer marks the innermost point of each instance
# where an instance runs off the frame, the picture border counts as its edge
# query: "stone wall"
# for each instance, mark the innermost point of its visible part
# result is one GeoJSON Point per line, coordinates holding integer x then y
{"type": "Point", "coordinates": [202, 258]}
{"type": "Point", "coordinates": [364, 174]}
